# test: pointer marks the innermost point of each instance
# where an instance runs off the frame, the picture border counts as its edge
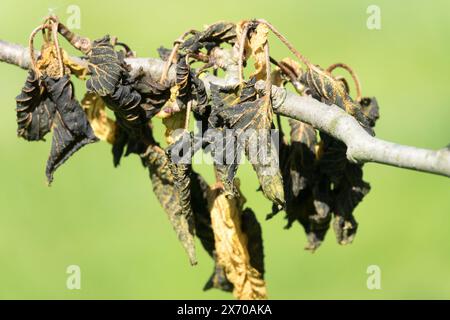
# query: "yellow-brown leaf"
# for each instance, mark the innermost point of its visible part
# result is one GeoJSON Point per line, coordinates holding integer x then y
{"type": "Point", "coordinates": [231, 246]}
{"type": "Point", "coordinates": [103, 126]}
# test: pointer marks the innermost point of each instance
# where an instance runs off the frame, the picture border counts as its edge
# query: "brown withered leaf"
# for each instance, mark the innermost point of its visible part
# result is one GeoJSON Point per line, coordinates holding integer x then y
{"type": "Point", "coordinates": [324, 87]}
{"type": "Point", "coordinates": [250, 118]}
{"type": "Point", "coordinates": [47, 62]}
{"type": "Point", "coordinates": [204, 231]}
{"type": "Point", "coordinates": [35, 111]}
{"type": "Point", "coordinates": [173, 124]}
{"type": "Point", "coordinates": [258, 39]}
{"type": "Point", "coordinates": [231, 246]}
{"type": "Point", "coordinates": [105, 67]}
{"type": "Point", "coordinates": [167, 194]}
{"type": "Point", "coordinates": [80, 71]}
{"type": "Point", "coordinates": [71, 129]}
{"type": "Point", "coordinates": [103, 126]}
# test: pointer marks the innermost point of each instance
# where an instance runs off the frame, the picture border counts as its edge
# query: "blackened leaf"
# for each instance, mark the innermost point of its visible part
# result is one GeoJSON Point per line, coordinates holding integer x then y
{"type": "Point", "coordinates": [125, 102]}
{"type": "Point", "coordinates": [169, 197]}
{"type": "Point", "coordinates": [348, 186]}
{"type": "Point", "coordinates": [252, 228]}
{"type": "Point", "coordinates": [202, 107]}
{"type": "Point", "coordinates": [183, 82]}
{"type": "Point", "coordinates": [164, 53]}
{"type": "Point", "coordinates": [225, 151]}
{"type": "Point", "coordinates": [35, 111]}
{"type": "Point", "coordinates": [190, 87]}
{"type": "Point", "coordinates": [213, 36]}
{"type": "Point", "coordinates": [307, 196]}
{"type": "Point", "coordinates": [154, 95]}
{"type": "Point", "coordinates": [218, 279]}
{"type": "Point", "coordinates": [350, 190]}
{"type": "Point", "coordinates": [111, 80]}
{"type": "Point", "coordinates": [180, 155]}
{"type": "Point", "coordinates": [104, 66]}
{"type": "Point", "coordinates": [371, 109]}
{"type": "Point", "coordinates": [303, 143]}
{"type": "Point", "coordinates": [120, 142]}
{"type": "Point", "coordinates": [251, 120]}
{"type": "Point", "coordinates": [326, 88]}
{"type": "Point", "coordinates": [71, 127]}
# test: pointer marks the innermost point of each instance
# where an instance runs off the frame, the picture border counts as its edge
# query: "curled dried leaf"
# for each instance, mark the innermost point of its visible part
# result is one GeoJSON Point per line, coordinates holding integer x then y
{"type": "Point", "coordinates": [231, 247]}
{"type": "Point", "coordinates": [250, 119]}
{"type": "Point", "coordinates": [258, 39]}
{"type": "Point", "coordinates": [324, 87]}
{"type": "Point", "coordinates": [48, 63]}
{"type": "Point", "coordinates": [165, 189]}
{"type": "Point", "coordinates": [103, 126]}
{"type": "Point", "coordinates": [307, 196]}
{"type": "Point", "coordinates": [213, 36]}
{"type": "Point", "coordinates": [104, 66]}
{"type": "Point", "coordinates": [35, 110]}
{"type": "Point", "coordinates": [71, 129]}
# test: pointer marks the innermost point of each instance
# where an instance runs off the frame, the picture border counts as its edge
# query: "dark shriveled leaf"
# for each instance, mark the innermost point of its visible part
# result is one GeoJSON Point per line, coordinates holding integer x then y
{"type": "Point", "coordinates": [251, 227]}
{"type": "Point", "coordinates": [371, 109]}
{"type": "Point", "coordinates": [218, 279]}
{"type": "Point", "coordinates": [71, 129]}
{"type": "Point", "coordinates": [104, 66]}
{"type": "Point", "coordinates": [307, 195]}
{"type": "Point", "coordinates": [324, 87]}
{"type": "Point", "coordinates": [213, 36]}
{"type": "Point", "coordinates": [250, 118]}
{"type": "Point", "coordinates": [35, 111]}
{"type": "Point", "coordinates": [167, 194]}
{"type": "Point", "coordinates": [180, 154]}
{"type": "Point", "coordinates": [133, 99]}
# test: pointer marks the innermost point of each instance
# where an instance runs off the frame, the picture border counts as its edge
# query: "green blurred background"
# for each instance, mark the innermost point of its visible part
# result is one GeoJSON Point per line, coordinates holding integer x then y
{"type": "Point", "coordinates": [109, 223]}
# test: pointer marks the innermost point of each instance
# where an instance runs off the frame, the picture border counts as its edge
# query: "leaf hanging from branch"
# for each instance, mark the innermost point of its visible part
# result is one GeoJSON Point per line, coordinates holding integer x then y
{"type": "Point", "coordinates": [71, 128]}
{"type": "Point", "coordinates": [231, 246]}
{"type": "Point", "coordinates": [167, 194]}
{"type": "Point", "coordinates": [35, 111]}
{"type": "Point", "coordinates": [324, 87]}
{"type": "Point", "coordinates": [180, 154]}
{"type": "Point", "coordinates": [251, 120]}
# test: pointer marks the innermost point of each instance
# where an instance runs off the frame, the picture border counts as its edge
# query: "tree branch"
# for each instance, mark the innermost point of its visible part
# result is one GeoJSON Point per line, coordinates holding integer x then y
{"type": "Point", "coordinates": [361, 147]}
